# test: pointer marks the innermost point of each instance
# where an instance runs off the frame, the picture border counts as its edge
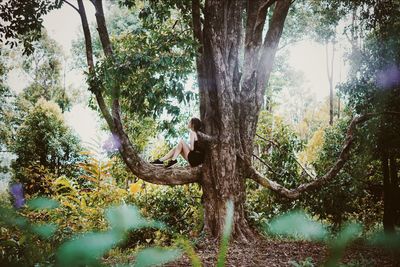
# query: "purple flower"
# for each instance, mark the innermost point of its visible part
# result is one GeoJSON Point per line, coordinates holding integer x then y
{"type": "Point", "coordinates": [18, 193]}
{"type": "Point", "coordinates": [388, 77]}
{"type": "Point", "coordinates": [111, 144]}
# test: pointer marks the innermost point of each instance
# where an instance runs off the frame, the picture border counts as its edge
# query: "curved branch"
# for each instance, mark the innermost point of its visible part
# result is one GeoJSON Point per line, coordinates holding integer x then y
{"type": "Point", "coordinates": [290, 155]}
{"type": "Point", "coordinates": [145, 171]}
{"type": "Point", "coordinates": [333, 171]}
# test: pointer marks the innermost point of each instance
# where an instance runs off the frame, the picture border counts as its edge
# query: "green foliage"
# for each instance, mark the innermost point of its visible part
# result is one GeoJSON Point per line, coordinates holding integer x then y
{"type": "Point", "coordinates": [22, 22]}
{"type": "Point", "coordinates": [147, 69]}
{"type": "Point", "coordinates": [44, 146]}
{"type": "Point", "coordinates": [178, 207]}
{"type": "Point", "coordinates": [277, 146]}
{"type": "Point", "coordinates": [44, 67]}
{"type": "Point", "coordinates": [350, 194]}
{"type": "Point", "coordinates": [24, 242]}
{"type": "Point", "coordinates": [27, 243]}
{"type": "Point", "coordinates": [88, 248]}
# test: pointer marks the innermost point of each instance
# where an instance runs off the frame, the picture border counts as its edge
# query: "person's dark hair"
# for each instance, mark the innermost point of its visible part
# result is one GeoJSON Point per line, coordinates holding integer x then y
{"type": "Point", "coordinates": [196, 124]}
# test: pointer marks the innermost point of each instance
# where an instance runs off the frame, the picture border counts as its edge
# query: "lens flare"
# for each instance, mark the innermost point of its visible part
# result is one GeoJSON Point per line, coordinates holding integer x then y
{"type": "Point", "coordinates": [17, 192]}
{"type": "Point", "coordinates": [388, 77]}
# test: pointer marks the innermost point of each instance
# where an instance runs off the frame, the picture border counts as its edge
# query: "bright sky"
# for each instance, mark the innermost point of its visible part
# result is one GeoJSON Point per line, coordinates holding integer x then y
{"type": "Point", "coordinates": [63, 25]}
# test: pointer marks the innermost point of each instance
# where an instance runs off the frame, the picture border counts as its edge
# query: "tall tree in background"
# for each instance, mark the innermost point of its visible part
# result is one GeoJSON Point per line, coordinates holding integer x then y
{"type": "Point", "coordinates": [236, 46]}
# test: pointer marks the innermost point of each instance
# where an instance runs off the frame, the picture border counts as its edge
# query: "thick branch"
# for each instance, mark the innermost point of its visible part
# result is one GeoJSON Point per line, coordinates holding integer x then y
{"type": "Point", "coordinates": [320, 181]}
{"type": "Point", "coordinates": [89, 57]}
{"type": "Point", "coordinates": [258, 62]}
{"type": "Point", "coordinates": [144, 170]}
{"type": "Point", "coordinates": [196, 21]}
{"type": "Point", "coordinates": [270, 47]}
{"type": "Point", "coordinates": [86, 34]}
{"type": "Point", "coordinates": [102, 28]}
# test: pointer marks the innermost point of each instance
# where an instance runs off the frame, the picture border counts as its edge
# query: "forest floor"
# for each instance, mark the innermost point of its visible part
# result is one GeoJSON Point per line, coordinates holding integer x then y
{"type": "Point", "coordinates": [272, 252]}
{"type": "Point", "coordinates": [283, 253]}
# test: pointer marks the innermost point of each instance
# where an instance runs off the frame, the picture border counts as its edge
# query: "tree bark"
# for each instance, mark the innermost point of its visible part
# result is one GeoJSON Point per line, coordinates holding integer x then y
{"type": "Point", "coordinates": [230, 103]}
{"type": "Point", "coordinates": [394, 182]}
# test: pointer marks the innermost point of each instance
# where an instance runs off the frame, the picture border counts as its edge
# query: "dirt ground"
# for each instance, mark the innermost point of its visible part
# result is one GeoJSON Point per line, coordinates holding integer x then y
{"type": "Point", "coordinates": [282, 253]}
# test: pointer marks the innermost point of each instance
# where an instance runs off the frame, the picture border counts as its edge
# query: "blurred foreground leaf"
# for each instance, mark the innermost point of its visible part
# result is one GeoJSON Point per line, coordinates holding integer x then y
{"type": "Point", "coordinates": [156, 256]}
{"type": "Point", "coordinates": [44, 230]}
{"type": "Point", "coordinates": [337, 246]}
{"type": "Point", "coordinates": [297, 224]}
{"type": "Point", "coordinates": [187, 247]}
{"type": "Point", "coordinates": [126, 217]}
{"type": "Point", "coordinates": [226, 234]}
{"type": "Point", "coordinates": [11, 218]}
{"type": "Point", "coordinates": [388, 241]}
{"type": "Point", "coordinates": [87, 249]}
{"type": "Point", "coordinates": [42, 203]}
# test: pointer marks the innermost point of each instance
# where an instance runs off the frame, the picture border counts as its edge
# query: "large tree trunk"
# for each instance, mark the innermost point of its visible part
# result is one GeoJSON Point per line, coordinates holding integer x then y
{"type": "Point", "coordinates": [229, 105]}
{"type": "Point", "coordinates": [219, 75]}
{"type": "Point", "coordinates": [388, 205]}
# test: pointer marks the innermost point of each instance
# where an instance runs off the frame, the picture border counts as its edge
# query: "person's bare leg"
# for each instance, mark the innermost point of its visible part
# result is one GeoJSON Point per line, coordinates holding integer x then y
{"type": "Point", "coordinates": [179, 150]}
{"type": "Point", "coordinates": [168, 155]}
{"type": "Point", "coordinates": [185, 150]}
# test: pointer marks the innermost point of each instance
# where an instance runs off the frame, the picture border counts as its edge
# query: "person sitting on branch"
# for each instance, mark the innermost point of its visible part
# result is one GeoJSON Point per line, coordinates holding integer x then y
{"type": "Point", "coordinates": [192, 152]}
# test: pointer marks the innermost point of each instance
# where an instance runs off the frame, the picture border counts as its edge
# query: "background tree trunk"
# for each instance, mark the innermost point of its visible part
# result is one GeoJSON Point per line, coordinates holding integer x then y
{"type": "Point", "coordinates": [388, 214]}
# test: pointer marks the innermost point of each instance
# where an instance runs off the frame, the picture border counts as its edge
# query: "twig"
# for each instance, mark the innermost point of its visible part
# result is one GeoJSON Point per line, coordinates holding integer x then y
{"type": "Point", "coordinates": [71, 5]}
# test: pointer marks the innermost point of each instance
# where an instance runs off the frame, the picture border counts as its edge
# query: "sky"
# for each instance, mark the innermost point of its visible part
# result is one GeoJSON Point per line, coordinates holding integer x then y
{"type": "Point", "coordinates": [63, 25]}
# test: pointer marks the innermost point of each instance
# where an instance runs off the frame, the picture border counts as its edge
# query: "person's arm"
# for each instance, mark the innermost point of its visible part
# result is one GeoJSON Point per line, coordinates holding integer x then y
{"type": "Point", "coordinates": [192, 136]}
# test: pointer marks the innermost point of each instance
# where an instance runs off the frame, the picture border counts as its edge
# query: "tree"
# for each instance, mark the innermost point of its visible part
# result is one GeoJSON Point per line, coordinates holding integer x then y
{"type": "Point", "coordinates": [44, 146]}
{"type": "Point", "coordinates": [43, 67]}
{"type": "Point", "coordinates": [233, 64]}
{"type": "Point", "coordinates": [379, 95]}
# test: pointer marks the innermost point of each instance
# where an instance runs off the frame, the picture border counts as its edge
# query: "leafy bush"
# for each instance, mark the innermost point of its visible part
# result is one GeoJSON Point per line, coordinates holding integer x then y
{"type": "Point", "coordinates": [277, 146]}
{"type": "Point", "coordinates": [44, 146]}
{"type": "Point", "coordinates": [348, 195]}
{"type": "Point", "coordinates": [179, 207]}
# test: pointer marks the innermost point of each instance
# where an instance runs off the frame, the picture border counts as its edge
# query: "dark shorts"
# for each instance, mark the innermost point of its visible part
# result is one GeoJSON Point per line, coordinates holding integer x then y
{"type": "Point", "coordinates": [195, 158]}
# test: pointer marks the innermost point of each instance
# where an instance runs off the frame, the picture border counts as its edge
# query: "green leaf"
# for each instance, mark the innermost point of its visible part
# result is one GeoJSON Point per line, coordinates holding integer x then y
{"type": "Point", "coordinates": [156, 256]}
{"type": "Point", "coordinates": [226, 234]}
{"type": "Point", "coordinates": [298, 225]}
{"type": "Point", "coordinates": [42, 203]}
{"type": "Point", "coordinates": [87, 249]}
{"type": "Point", "coordinates": [387, 241]}
{"type": "Point", "coordinates": [127, 217]}
{"type": "Point", "coordinates": [337, 246]}
{"type": "Point", "coordinates": [44, 230]}
{"type": "Point", "coordinates": [348, 234]}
